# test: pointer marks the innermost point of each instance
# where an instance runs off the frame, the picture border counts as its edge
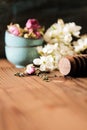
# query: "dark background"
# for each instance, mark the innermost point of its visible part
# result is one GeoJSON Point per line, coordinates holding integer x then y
{"type": "Point", "coordinates": [46, 11]}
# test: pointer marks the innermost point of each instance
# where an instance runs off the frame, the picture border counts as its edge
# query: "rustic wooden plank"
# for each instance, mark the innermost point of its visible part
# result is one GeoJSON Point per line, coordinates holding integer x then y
{"type": "Point", "coordinates": [29, 103]}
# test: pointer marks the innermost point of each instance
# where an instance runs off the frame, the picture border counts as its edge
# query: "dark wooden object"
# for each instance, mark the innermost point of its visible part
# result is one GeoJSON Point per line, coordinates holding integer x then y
{"type": "Point", "coordinates": [73, 65]}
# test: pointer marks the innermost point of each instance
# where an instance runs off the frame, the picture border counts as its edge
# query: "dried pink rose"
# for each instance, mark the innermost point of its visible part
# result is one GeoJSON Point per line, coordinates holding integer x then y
{"type": "Point", "coordinates": [14, 29]}
{"type": "Point", "coordinates": [31, 30]}
{"type": "Point", "coordinates": [32, 24]}
{"type": "Point", "coordinates": [38, 35]}
{"type": "Point", "coordinates": [30, 69]}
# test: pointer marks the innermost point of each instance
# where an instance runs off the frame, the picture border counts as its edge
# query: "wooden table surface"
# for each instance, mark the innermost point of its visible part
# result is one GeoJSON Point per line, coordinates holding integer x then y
{"type": "Point", "coordinates": [29, 103]}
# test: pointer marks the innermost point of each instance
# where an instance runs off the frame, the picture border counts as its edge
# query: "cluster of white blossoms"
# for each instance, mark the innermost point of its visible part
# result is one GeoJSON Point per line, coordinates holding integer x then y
{"type": "Point", "coordinates": [81, 44]}
{"type": "Point", "coordinates": [60, 43]}
{"type": "Point", "coordinates": [50, 55]}
{"type": "Point", "coordinates": [61, 32]}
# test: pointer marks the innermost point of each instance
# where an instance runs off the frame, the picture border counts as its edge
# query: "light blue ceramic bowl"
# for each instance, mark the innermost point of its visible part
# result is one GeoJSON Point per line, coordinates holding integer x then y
{"type": "Point", "coordinates": [21, 51]}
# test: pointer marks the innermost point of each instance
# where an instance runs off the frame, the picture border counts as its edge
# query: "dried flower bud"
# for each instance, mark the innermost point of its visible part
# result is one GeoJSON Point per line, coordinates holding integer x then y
{"type": "Point", "coordinates": [32, 23]}
{"type": "Point", "coordinates": [30, 69]}
{"type": "Point", "coordinates": [14, 29]}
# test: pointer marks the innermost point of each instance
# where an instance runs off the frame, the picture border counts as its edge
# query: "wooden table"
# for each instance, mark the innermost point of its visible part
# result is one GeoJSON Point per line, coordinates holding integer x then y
{"type": "Point", "coordinates": [29, 103]}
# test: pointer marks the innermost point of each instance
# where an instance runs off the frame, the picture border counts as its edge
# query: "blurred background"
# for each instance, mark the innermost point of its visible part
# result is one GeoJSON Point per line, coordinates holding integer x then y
{"type": "Point", "coordinates": [46, 11]}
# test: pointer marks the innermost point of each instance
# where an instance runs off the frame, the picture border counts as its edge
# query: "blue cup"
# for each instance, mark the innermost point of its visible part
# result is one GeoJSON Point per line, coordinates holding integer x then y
{"type": "Point", "coordinates": [21, 51]}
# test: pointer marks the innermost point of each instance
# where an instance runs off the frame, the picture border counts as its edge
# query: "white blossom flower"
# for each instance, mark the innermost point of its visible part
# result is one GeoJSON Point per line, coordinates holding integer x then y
{"type": "Point", "coordinates": [49, 49]}
{"type": "Point", "coordinates": [81, 44]}
{"type": "Point", "coordinates": [47, 63]}
{"type": "Point", "coordinates": [37, 61]}
{"type": "Point", "coordinates": [51, 54]}
{"type": "Point", "coordinates": [72, 28]}
{"type": "Point", "coordinates": [61, 32]}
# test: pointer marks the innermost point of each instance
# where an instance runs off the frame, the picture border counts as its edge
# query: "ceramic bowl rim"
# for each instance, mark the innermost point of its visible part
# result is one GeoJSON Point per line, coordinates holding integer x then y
{"type": "Point", "coordinates": [34, 42]}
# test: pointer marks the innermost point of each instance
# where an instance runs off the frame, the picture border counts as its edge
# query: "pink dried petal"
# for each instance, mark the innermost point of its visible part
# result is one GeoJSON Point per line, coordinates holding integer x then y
{"type": "Point", "coordinates": [32, 23]}
{"type": "Point", "coordinates": [14, 30]}
{"type": "Point", "coordinates": [30, 69]}
{"type": "Point", "coordinates": [38, 35]}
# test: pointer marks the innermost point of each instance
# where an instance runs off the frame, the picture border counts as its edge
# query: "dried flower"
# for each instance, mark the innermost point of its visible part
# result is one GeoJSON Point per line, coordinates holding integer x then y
{"type": "Point", "coordinates": [30, 69]}
{"type": "Point", "coordinates": [32, 29]}
{"type": "Point", "coordinates": [15, 29]}
{"type": "Point", "coordinates": [32, 24]}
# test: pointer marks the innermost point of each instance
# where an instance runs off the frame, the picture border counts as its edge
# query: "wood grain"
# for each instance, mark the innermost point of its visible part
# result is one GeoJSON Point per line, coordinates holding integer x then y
{"type": "Point", "coordinates": [29, 103]}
